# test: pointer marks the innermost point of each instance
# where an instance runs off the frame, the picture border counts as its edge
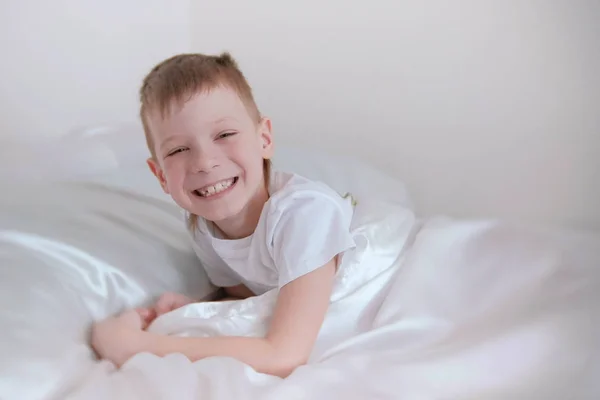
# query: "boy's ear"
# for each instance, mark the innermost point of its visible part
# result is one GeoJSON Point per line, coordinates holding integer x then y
{"type": "Point", "coordinates": [266, 136]}
{"type": "Point", "coordinates": [158, 172]}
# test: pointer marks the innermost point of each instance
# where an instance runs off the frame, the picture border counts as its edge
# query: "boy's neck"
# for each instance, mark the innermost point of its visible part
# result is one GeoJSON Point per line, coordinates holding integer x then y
{"type": "Point", "coordinates": [244, 224]}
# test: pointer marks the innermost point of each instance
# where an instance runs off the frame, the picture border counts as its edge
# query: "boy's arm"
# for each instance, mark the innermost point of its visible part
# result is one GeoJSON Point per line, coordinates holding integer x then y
{"type": "Point", "coordinates": [298, 316]}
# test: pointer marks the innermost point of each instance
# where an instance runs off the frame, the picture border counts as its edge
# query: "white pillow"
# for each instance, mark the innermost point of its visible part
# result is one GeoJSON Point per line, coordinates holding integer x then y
{"type": "Point", "coordinates": [343, 174]}
{"type": "Point", "coordinates": [115, 152]}
{"type": "Point", "coordinates": [121, 149]}
{"type": "Point", "coordinates": [71, 253]}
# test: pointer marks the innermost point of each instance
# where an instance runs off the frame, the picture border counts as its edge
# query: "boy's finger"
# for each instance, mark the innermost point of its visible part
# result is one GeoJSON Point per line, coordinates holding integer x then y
{"type": "Point", "coordinates": [147, 314]}
{"type": "Point", "coordinates": [143, 312]}
{"type": "Point", "coordinates": [165, 309]}
{"type": "Point", "coordinates": [170, 302]}
{"type": "Point", "coordinates": [132, 317]}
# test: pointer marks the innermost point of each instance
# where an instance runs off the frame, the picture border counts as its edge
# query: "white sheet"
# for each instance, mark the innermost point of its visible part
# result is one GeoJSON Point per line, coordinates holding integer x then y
{"type": "Point", "coordinates": [462, 310]}
{"type": "Point", "coordinates": [71, 254]}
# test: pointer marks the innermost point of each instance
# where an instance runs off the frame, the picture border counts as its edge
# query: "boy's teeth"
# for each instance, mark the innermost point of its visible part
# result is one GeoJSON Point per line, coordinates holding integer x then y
{"type": "Point", "coordinates": [216, 188]}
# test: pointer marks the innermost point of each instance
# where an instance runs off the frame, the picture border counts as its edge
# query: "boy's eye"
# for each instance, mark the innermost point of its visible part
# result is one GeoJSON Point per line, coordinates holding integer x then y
{"type": "Point", "coordinates": [225, 135]}
{"type": "Point", "coordinates": [176, 151]}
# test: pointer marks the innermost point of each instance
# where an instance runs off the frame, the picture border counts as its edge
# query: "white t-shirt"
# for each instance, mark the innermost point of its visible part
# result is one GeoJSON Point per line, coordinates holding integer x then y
{"type": "Point", "coordinates": [302, 226]}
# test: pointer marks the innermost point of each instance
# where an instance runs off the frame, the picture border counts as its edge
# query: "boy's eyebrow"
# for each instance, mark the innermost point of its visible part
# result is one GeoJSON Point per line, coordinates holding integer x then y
{"type": "Point", "coordinates": [167, 141]}
{"type": "Point", "coordinates": [224, 119]}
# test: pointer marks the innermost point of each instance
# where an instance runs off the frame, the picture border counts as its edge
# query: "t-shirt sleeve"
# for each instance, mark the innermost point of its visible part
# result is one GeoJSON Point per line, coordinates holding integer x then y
{"type": "Point", "coordinates": [309, 232]}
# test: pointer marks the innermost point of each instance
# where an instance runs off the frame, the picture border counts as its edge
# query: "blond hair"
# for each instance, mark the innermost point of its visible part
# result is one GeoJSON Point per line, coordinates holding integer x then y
{"type": "Point", "coordinates": [177, 79]}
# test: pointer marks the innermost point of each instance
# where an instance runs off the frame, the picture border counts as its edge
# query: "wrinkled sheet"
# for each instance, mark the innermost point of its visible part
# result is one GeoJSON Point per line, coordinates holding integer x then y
{"type": "Point", "coordinates": [453, 310]}
{"type": "Point", "coordinates": [72, 253]}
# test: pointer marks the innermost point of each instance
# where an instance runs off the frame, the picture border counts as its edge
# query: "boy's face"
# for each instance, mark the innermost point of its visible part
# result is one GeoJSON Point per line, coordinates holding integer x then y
{"type": "Point", "coordinates": [209, 154]}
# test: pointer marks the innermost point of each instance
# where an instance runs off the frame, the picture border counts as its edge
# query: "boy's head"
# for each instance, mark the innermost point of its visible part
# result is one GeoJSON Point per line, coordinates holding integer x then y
{"type": "Point", "coordinates": [209, 144]}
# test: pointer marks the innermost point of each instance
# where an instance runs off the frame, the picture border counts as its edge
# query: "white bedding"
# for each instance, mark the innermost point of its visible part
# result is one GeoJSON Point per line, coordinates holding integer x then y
{"type": "Point", "coordinates": [73, 253]}
{"type": "Point", "coordinates": [440, 309]}
{"type": "Point", "coordinates": [462, 310]}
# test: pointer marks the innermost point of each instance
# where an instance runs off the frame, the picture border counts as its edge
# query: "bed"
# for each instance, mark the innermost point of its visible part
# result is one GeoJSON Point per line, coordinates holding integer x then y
{"type": "Point", "coordinates": [451, 308]}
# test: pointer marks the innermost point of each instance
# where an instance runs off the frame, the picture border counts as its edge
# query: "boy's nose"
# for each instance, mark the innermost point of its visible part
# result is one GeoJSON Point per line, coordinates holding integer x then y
{"type": "Point", "coordinates": [203, 161]}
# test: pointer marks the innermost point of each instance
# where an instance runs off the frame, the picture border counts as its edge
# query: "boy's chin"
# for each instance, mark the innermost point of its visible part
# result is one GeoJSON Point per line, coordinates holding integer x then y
{"type": "Point", "coordinates": [216, 215]}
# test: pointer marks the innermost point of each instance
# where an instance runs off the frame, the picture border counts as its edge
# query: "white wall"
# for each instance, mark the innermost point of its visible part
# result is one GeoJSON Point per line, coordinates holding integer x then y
{"type": "Point", "coordinates": [73, 63]}
{"type": "Point", "coordinates": [484, 107]}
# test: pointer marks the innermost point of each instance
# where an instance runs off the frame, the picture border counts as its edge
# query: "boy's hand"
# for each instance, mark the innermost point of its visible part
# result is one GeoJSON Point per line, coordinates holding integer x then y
{"type": "Point", "coordinates": [147, 315]}
{"type": "Point", "coordinates": [168, 302]}
{"type": "Point", "coordinates": [119, 338]}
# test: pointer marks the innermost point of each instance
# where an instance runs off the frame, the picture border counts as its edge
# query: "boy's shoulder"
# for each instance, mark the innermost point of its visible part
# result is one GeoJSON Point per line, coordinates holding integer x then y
{"type": "Point", "coordinates": [289, 189]}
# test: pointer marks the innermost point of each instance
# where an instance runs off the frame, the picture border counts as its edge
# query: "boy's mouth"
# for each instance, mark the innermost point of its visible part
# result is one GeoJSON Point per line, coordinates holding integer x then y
{"type": "Point", "coordinates": [211, 190]}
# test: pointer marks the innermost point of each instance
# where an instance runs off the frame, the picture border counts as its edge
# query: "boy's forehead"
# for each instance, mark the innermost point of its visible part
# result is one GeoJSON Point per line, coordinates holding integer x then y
{"type": "Point", "coordinates": [205, 108]}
